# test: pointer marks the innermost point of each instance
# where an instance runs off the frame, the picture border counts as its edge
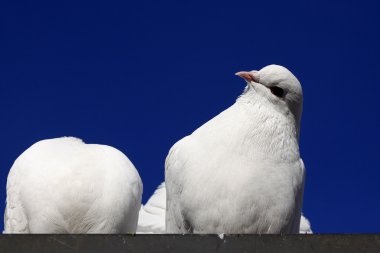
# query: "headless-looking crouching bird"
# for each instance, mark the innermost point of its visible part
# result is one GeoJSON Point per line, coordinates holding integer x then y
{"type": "Point", "coordinates": [66, 186]}
{"type": "Point", "coordinates": [241, 172]}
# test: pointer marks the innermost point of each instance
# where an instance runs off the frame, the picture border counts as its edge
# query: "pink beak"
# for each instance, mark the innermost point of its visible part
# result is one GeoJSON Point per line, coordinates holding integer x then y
{"type": "Point", "coordinates": [247, 76]}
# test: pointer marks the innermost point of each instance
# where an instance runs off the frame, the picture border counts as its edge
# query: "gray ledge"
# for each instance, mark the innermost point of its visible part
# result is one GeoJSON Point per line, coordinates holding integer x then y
{"type": "Point", "coordinates": [334, 243]}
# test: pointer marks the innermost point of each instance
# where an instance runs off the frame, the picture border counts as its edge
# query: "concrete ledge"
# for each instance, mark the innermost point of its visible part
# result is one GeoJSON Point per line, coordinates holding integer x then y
{"type": "Point", "coordinates": [190, 243]}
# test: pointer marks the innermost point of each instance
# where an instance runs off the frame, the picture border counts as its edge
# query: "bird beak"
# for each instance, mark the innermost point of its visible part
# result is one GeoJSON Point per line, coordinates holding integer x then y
{"type": "Point", "coordinates": [249, 77]}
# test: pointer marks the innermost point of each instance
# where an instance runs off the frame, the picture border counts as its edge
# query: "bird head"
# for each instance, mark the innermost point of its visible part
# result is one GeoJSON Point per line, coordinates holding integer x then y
{"type": "Point", "coordinates": [278, 86]}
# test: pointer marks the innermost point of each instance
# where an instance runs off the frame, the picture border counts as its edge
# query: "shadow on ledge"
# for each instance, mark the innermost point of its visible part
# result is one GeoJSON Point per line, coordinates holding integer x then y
{"type": "Point", "coordinates": [190, 243]}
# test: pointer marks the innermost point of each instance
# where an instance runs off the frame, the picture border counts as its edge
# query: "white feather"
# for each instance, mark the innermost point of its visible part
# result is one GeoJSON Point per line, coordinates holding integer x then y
{"type": "Point", "coordinates": [305, 227]}
{"type": "Point", "coordinates": [152, 215]}
{"type": "Point", "coordinates": [241, 172]}
{"type": "Point", "coordinates": [66, 186]}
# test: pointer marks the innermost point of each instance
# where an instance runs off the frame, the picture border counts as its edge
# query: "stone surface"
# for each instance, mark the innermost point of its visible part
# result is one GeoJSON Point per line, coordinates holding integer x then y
{"type": "Point", "coordinates": [190, 243]}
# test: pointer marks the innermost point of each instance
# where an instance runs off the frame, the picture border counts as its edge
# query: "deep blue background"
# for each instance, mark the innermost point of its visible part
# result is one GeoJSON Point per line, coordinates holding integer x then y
{"type": "Point", "coordinates": [141, 75]}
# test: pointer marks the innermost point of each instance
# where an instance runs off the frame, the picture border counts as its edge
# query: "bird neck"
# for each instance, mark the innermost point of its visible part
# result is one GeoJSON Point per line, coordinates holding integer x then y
{"type": "Point", "coordinates": [267, 130]}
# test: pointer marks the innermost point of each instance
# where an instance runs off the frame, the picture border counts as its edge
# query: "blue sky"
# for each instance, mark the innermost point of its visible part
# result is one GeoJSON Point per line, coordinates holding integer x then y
{"type": "Point", "coordinates": [141, 75]}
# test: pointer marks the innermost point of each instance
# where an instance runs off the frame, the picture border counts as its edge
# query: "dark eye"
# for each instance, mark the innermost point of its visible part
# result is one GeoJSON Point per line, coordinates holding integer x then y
{"type": "Point", "coordinates": [277, 91]}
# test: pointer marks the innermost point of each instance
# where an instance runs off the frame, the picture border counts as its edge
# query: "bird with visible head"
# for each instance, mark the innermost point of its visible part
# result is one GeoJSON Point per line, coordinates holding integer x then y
{"type": "Point", "coordinates": [241, 172]}
{"type": "Point", "coordinates": [278, 85]}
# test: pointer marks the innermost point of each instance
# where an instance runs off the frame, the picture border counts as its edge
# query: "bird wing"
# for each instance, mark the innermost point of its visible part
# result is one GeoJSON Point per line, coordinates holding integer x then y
{"type": "Point", "coordinates": [174, 164]}
{"type": "Point", "coordinates": [152, 214]}
{"type": "Point", "coordinates": [305, 227]}
{"type": "Point", "coordinates": [299, 198]}
{"type": "Point", "coordinates": [15, 220]}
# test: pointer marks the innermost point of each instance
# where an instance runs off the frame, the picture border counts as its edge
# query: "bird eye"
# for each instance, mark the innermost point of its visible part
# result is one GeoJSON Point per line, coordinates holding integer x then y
{"type": "Point", "coordinates": [277, 91]}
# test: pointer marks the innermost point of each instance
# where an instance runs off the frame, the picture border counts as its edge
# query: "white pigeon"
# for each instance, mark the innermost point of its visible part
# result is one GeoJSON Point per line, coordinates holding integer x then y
{"type": "Point", "coordinates": [241, 172]}
{"type": "Point", "coordinates": [63, 185]}
{"type": "Point", "coordinates": [152, 215]}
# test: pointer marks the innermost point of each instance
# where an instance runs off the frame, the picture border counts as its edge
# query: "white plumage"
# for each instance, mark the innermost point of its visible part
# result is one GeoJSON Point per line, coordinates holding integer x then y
{"type": "Point", "coordinates": [152, 215]}
{"type": "Point", "coordinates": [66, 186]}
{"type": "Point", "coordinates": [241, 172]}
{"type": "Point", "coordinates": [305, 227]}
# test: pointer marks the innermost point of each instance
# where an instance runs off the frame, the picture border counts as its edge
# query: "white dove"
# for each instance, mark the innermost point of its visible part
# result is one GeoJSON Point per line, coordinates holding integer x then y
{"type": "Point", "coordinates": [152, 215]}
{"type": "Point", "coordinates": [63, 185]}
{"type": "Point", "coordinates": [241, 172]}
